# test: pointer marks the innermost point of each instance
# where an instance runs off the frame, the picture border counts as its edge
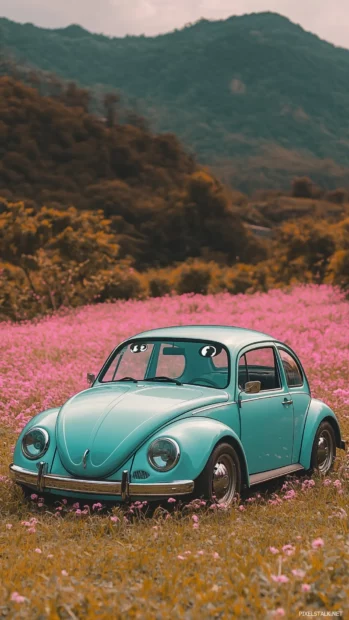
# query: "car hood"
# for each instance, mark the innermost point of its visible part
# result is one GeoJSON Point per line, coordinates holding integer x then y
{"type": "Point", "coordinates": [111, 421]}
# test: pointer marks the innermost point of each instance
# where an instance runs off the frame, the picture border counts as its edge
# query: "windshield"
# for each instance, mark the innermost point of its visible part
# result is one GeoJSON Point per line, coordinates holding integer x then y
{"type": "Point", "coordinates": [174, 361]}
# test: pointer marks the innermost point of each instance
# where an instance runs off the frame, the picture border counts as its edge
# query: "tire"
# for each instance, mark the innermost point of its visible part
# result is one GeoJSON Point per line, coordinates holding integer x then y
{"type": "Point", "coordinates": [324, 449]}
{"type": "Point", "coordinates": [220, 481]}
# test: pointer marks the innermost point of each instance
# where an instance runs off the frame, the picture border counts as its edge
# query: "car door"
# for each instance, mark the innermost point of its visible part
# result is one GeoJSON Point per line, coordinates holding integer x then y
{"type": "Point", "coordinates": [266, 417]}
{"type": "Point", "coordinates": [300, 394]}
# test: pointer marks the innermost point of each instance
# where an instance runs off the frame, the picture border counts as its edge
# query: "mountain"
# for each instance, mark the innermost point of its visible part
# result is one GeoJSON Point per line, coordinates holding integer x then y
{"type": "Point", "coordinates": [255, 96]}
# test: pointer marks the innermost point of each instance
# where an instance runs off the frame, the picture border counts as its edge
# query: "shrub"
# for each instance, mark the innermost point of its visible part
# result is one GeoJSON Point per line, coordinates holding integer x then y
{"type": "Point", "coordinates": [194, 278]}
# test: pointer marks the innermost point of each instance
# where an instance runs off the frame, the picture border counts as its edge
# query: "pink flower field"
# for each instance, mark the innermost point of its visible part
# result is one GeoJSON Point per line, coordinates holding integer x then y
{"type": "Point", "coordinates": [42, 364]}
{"type": "Point", "coordinates": [274, 554]}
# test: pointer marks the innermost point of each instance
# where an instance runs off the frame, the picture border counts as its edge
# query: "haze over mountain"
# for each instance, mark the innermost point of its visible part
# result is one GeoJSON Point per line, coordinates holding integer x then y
{"type": "Point", "coordinates": [255, 96]}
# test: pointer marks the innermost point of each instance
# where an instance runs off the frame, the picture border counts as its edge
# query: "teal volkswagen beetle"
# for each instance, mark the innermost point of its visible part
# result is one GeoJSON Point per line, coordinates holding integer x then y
{"type": "Point", "coordinates": [197, 411]}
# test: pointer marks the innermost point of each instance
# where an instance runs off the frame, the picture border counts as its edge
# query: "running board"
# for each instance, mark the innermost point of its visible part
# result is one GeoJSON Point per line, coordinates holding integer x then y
{"type": "Point", "coordinates": [275, 473]}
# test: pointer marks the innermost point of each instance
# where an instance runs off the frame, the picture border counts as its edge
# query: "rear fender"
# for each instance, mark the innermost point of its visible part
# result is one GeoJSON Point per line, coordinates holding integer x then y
{"type": "Point", "coordinates": [318, 412]}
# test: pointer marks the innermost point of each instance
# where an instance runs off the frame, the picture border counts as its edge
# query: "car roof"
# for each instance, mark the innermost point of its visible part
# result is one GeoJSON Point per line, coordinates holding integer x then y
{"type": "Point", "coordinates": [236, 337]}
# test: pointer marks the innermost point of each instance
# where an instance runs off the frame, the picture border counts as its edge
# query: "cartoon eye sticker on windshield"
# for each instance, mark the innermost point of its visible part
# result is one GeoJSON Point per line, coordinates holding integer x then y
{"type": "Point", "coordinates": [208, 351]}
{"type": "Point", "coordinates": [138, 348]}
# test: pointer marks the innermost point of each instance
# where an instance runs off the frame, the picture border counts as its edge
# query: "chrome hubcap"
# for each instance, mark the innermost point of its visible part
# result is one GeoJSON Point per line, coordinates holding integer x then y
{"type": "Point", "coordinates": [224, 479]}
{"type": "Point", "coordinates": [324, 452]}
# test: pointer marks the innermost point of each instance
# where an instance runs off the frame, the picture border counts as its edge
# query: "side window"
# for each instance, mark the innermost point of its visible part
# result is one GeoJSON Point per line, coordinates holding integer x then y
{"type": "Point", "coordinates": [292, 371]}
{"type": "Point", "coordinates": [261, 366]}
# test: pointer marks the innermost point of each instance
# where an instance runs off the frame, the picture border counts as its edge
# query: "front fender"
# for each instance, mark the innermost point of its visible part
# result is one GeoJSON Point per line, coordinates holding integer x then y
{"type": "Point", "coordinates": [317, 413]}
{"type": "Point", "coordinates": [47, 420]}
{"type": "Point", "coordinates": [196, 437]}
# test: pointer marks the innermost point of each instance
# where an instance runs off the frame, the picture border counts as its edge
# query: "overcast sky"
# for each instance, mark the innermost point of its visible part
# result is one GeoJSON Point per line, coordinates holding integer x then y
{"type": "Point", "coordinates": [327, 18]}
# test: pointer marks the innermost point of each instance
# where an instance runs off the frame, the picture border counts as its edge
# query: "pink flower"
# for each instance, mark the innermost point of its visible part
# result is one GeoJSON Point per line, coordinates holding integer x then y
{"type": "Point", "coordinates": [196, 526]}
{"type": "Point", "coordinates": [241, 508]}
{"type": "Point", "coordinates": [64, 573]}
{"type": "Point", "coordinates": [31, 530]}
{"type": "Point", "coordinates": [273, 550]}
{"type": "Point", "coordinates": [215, 555]}
{"type": "Point", "coordinates": [76, 505]}
{"type": "Point", "coordinates": [37, 550]}
{"type": "Point", "coordinates": [78, 512]}
{"type": "Point", "coordinates": [291, 494]}
{"type": "Point", "coordinates": [181, 557]}
{"type": "Point", "coordinates": [337, 484]}
{"type": "Point", "coordinates": [17, 598]}
{"type": "Point", "coordinates": [195, 518]}
{"type": "Point", "coordinates": [280, 578]}
{"type": "Point", "coordinates": [305, 587]}
{"type": "Point", "coordinates": [33, 497]}
{"type": "Point", "coordinates": [201, 552]}
{"type": "Point", "coordinates": [171, 500]}
{"type": "Point", "coordinates": [279, 612]}
{"type": "Point", "coordinates": [8, 526]}
{"type": "Point", "coordinates": [327, 482]}
{"type": "Point", "coordinates": [98, 506]}
{"type": "Point", "coordinates": [64, 501]}
{"type": "Point", "coordinates": [40, 504]}
{"type": "Point", "coordinates": [317, 543]}
{"type": "Point", "coordinates": [288, 549]}
{"type": "Point", "coordinates": [114, 519]}
{"type": "Point", "coordinates": [298, 572]}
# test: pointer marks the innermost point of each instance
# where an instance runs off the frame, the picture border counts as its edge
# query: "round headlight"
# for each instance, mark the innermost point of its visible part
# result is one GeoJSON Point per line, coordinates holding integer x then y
{"type": "Point", "coordinates": [163, 454]}
{"type": "Point", "coordinates": [35, 443]}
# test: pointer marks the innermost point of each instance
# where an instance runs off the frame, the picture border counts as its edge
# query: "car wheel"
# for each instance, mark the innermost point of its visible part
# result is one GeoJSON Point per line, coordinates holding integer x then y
{"type": "Point", "coordinates": [324, 449]}
{"type": "Point", "coordinates": [220, 481]}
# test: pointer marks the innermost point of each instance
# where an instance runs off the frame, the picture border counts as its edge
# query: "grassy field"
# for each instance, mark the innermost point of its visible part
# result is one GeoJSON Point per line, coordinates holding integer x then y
{"type": "Point", "coordinates": [278, 552]}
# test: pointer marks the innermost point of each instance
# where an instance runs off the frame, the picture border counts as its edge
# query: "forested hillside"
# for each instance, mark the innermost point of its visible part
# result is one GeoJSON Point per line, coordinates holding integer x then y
{"type": "Point", "coordinates": [256, 96]}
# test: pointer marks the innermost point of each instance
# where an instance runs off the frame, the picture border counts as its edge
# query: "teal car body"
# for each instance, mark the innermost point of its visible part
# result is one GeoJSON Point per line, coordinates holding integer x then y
{"type": "Point", "coordinates": [152, 436]}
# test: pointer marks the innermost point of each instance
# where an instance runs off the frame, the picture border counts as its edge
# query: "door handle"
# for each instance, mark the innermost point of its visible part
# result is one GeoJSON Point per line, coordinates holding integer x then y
{"type": "Point", "coordinates": [287, 402]}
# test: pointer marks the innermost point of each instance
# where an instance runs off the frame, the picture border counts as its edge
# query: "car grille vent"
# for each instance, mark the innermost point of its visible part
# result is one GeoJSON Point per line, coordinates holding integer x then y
{"type": "Point", "coordinates": [140, 474]}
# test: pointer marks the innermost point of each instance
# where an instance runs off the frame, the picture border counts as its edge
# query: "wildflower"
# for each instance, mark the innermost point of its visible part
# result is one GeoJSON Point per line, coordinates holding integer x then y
{"type": "Point", "coordinates": [273, 550]}
{"type": "Point", "coordinates": [291, 494]}
{"type": "Point", "coordinates": [280, 578]}
{"type": "Point", "coordinates": [215, 588]}
{"type": "Point", "coordinates": [305, 587]}
{"type": "Point", "coordinates": [201, 552]}
{"type": "Point", "coordinates": [17, 598]}
{"type": "Point", "coordinates": [37, 550]}
{"type": "Point", "coordinates": [298, 572]}
{"type": "Point", "coordinates": [317, 543]}
{"type": "Point", "coordinates": [78, 512]}
{"type": "Point", "coordinates": [195, 526]}
{"type": "Point", "coordinates": [40, 504]}
{"type": "Point", "coordinates": [337, 484]}
{"type": "Point", "coordinates": [215, 555]}
{"type": "Point", "coordinates": [8, 526]}
{"type": "Point", "coordinates": [288, 549]}
{"type": "Point", "coordinates": [241, 508]}
{"type": "Point", "coordinates": [64, 573]}
{"type": "Point", "coordinates": [279, 612]}
{"type": "Point", "coordinates": [33, 497]}
{"type": "Point", "coordinates": [327, 482]}
{"type": "Point", "coordinates": [114, 519]}
{"type": "Point", "coordinates": [171, 500]}
{"type": "Point", "coordinates": [76, 505]}
{"type": "Point", "coordinates": [64, 501]}
{"type": "Point", "coordinates": [98, 506]}
{"type": "Point", "coordinates": [195, 518]}
{"type": "Point", "coordinates": [181, 557]}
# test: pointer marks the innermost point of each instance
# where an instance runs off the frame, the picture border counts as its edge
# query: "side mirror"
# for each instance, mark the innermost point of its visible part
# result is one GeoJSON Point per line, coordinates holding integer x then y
{"type": "Point", "coordinates": [91, 378]}
{"type": "Point", "coordinates": [252, 387]}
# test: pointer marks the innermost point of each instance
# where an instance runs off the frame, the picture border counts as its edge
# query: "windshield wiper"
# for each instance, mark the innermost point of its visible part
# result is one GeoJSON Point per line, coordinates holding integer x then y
{"type": "Point", "coordinates": [126, 379]}
{"type": "Point", "coordinates": [164, 379]}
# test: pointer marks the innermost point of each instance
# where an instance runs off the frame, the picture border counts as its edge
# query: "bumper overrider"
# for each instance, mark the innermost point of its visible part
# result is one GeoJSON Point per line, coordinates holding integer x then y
{"type": "Point", "coordinates": [42, 481]}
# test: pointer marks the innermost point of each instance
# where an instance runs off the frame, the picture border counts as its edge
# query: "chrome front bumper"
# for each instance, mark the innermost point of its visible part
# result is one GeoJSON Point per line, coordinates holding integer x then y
{"type": "Point", "coordinates": [42, 481]}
